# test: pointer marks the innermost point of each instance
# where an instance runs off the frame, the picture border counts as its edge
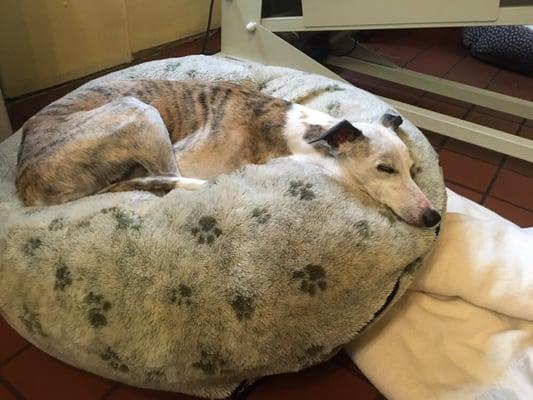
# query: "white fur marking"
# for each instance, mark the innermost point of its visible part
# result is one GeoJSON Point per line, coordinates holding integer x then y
{"type": "Point", "coordinates": [298, 120]}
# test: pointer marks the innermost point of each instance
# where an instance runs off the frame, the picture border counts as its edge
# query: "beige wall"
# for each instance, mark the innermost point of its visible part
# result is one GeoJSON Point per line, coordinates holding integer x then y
{"type": "Point", "coordinates": [47, 42]}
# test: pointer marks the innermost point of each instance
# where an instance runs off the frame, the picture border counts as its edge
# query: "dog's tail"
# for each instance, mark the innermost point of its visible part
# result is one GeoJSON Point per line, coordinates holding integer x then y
{"type": "Point", "coordinates": [155, 184]}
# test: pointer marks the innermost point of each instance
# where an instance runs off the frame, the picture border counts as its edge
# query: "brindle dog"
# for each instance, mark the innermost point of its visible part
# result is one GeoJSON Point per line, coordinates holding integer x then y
{"type": "Point", "coordinates": [177, 134]}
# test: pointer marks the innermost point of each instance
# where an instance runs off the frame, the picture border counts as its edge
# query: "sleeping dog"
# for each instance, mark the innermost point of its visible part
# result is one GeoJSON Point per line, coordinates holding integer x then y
{"type": "Point", "coordinates": [184, 133]}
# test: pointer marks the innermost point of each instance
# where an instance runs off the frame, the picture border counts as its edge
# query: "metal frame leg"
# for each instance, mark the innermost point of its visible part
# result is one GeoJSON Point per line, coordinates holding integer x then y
{"type": "Point", "coordinates": [243, 36]}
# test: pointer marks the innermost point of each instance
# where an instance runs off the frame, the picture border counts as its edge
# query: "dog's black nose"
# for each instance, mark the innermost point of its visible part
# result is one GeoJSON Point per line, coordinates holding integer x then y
{"type": "Point", "coordinates": [430, 217]}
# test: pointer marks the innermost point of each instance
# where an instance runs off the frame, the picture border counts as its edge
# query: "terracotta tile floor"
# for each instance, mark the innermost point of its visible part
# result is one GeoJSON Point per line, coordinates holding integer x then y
{"type": "Point", "coordinates": [501, 183]}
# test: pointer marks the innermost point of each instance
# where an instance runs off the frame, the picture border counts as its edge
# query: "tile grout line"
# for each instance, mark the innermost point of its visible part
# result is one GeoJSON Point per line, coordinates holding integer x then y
{"type": "Point", "coordinates": [114, 386]}
{"type": "Point", "coordinates": [447, 138]}
{"type": "Point", "coordinates": [244, 391]}
{"type": "Point", "coordinates": [424, 92]}
{"type": "Point", "coordinates": [11, 389]}
{"type": "Point", "coordinates": [497, 174]}
{"type": "Point", "coordinates": [498, 70]}
{"type": "Point", "coordinates": [441, 146]}
{"type": "Point", "coordinates": [425, 50]}
{"type": "Point", "coordinates": [471, 109]}
{"type": "Point", "coordinates": [404, 65]}
{"type": "Point", "coordinates": [486, 112]}
{"type": "Point", "coordinates": [488, 162]}
{"type": "Point", "coordinates": [462, 185]}
{"type": "Point", "coordinates": [513, 204]}
{"type": "Point", "coordinates": [15, 354]}
{"type": "Point", "coordinates": [492, 181]}
{"type": "Point", "coordinates": [453, 66]}
{"type": "Point", "coordinates": [474, 157]}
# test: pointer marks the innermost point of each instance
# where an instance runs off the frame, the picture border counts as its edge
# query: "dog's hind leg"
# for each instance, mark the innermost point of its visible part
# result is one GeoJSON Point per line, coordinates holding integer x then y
{"type": "Point", "coordinates": [91, 150]}
{"type": "Point", "coordinates": [156, 155]}
{"type": "Point", "coordinates": [150, 146]}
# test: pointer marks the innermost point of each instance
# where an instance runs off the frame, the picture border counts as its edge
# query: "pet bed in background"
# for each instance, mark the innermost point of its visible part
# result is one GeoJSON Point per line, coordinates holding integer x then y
{"type": "Point", "coordinates": [510, 47]}
{"type": "Point", "coordinates": [266, 270]}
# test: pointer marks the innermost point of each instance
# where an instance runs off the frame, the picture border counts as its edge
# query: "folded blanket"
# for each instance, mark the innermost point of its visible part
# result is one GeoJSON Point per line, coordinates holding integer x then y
{"type": "Point", "coordinates": [464, 330]}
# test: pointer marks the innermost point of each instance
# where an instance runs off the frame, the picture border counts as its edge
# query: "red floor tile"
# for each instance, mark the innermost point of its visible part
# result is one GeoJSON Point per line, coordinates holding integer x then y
{"type": "Point", "coordinates": [499, 114]}
{"type": "Point", "coordinates": [38, 376]}
{"type": "Point", "coordinates": [434, 138]}
{"type": "Point", "coordinates": [526, 131]}
{"type": "Point", "coordinates": [450, 100]}
{"type": "Point", "coordinates": [471, 71]}
{"type": "Point", "coordinates": [398, 53]}
{"type": "Point", "coordinates": [343, 360]}
{"type": "Point", "coordinates": [6, 394]}
{"type": "Point", "coordinates": [325, 381]}
{"type": "Point", "coordinates": [398, 92]}
{"type": "Point", "coordinates": [124, 392]}
{"type": "Point", "coordinates": [519, 216]}
{"type": "Point", "coordinates": [473, 151]}
{"type": "Point", "coordinates": [401, 45]}
{"type": "Point", "coordinates": [493, 122]}
{"type": "Point", "coordinates": [437, 60]}
{"type": "Point", "coordinates": [463, 191]}
{"type": "Point", "coordinates": [361, 81]}
{"type": "Point", "coordinates": [514, 188]}
{"type": "Point", "coordinates": [435, 103]}
{"type": "Point", "coordinates": [10, 341]}
{"type": "Point", "coordinates": [466, 171]}
{"type": "Point", "coordinates": [512, 84]}
{"type": "Point", "coordinates": [521, 166]}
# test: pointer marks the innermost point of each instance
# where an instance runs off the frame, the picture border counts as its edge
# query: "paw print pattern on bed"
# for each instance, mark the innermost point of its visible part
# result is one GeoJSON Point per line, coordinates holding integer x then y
{"type": "Point", "coordinates": [206, 230]}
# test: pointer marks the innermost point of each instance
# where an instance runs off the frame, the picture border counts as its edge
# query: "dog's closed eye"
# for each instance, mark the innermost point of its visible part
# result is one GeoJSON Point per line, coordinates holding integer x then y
{"type": "Point", "coordinates": [389, 169]}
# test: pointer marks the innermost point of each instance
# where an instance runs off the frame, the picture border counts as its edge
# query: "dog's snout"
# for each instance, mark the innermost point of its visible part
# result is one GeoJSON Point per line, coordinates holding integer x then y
{"type": "Point", "coordinates": [430, 217]}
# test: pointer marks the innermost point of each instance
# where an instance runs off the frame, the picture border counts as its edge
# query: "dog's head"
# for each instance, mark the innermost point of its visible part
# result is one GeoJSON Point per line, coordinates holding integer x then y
{"type": "Point", "coordinates": [373, 157]}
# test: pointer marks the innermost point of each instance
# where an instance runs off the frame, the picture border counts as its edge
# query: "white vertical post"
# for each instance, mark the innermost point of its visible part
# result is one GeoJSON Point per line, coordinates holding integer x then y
{"type": "Point", "coordinates": [244, 37]}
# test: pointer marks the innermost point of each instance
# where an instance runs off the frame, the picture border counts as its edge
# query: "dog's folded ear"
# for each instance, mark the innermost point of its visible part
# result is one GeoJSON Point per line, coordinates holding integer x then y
{"type": "Point", "coordinates": [338, 134]}
{"type": "Point", "coordinates": [392, 121]}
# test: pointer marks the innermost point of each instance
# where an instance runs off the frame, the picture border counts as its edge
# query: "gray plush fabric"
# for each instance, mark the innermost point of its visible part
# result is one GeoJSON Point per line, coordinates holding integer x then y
{"type": "Point", "coordinates": [267, 270]}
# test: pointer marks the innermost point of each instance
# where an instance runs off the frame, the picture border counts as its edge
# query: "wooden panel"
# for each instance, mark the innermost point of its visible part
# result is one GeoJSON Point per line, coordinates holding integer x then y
{"type": "Point", "coordinates": [364, 12]}
{"type": "Point", "coordinates": [44, 42]}
{"type": "Point", "coordinates": [151, 23]}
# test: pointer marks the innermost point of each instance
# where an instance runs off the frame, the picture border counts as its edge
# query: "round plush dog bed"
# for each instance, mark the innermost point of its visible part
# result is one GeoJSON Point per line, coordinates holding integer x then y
{"type": "Point", "coordinates": [266, 270]}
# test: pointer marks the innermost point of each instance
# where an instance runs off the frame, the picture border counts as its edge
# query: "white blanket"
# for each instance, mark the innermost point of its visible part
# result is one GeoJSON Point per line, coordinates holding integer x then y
{"type": "Point", "coordinates": [464, 330]}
